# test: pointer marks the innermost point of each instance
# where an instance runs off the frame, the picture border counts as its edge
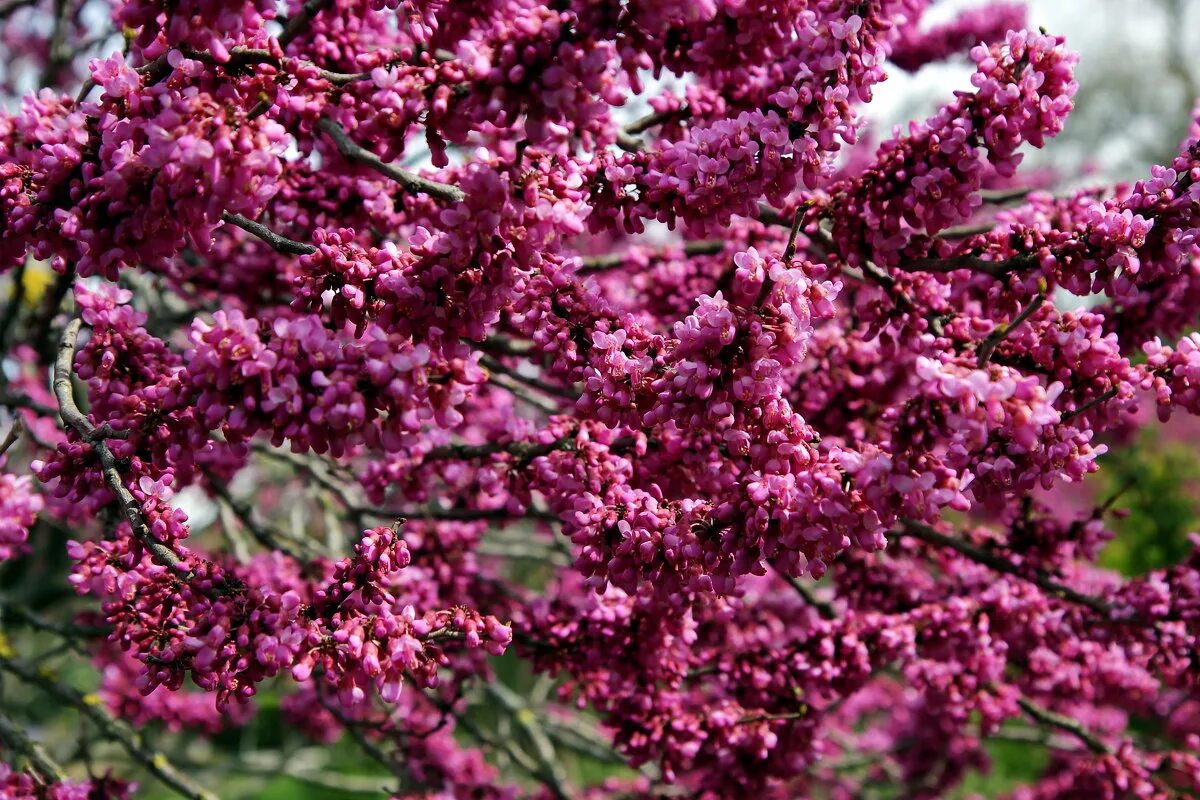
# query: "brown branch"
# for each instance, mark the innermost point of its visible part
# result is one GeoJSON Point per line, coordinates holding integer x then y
{"type": "Point", "coordinates": [998, 334]}
{"type": "Point", "coordinates": [608, 261]}
{"type": "Point", "coordinates": [1089, 405]}
{"type": "Point", "coordinates": [16, 740]}
{"type": "Point", "coordinates": [412, 182]}
{"type": "Point", "coordinates": [1000, 564]}
{"type": "Point", "coordinates": [130, 740]}
{"type": "Point", "coordinates": [627, 136]}
{"type": "Point", "coordinates": [14, 433]}
{"type": "Point", "coordinates": [281, 244]}
{"type": "Point", "coordinates": [997, 269]}
{"type": "Point", "coordinates": [295, 25]}
{"type": "Point", "coordinates": [824, 610]}
{"type": "Point", "coordinates": [97, 437]}
{"type": "Point", "coordinates": [1064, 723]}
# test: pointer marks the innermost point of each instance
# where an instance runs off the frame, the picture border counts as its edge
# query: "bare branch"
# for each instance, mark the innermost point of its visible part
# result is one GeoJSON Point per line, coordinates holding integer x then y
{"type": "Point", "coordinates": [1072, 726]}
{"type": "Point", "coordinates": [603, 263]}
{"type": "Point", "coordinates": [997, 269]}
{"type": "Point", "coordinates": [16, 740]}
{"type": "Point", "coordinates": [1000, 564]}
{"type": "Point", "coordinates": [412, 182]}
{"type": "Point", "coordinates": [14, 433]}
{"type": "Point", "coordinates": [130, 740]}
{"type": "Point", "coordinates": [297, 23]}
{"type": "Point", "coordinates": [281, 244]}
{"type": "Point", "coordinates": [993, 340]}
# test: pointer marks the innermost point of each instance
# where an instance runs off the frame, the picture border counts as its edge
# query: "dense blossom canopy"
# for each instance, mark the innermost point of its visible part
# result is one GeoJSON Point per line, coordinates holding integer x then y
{"type": "Point", "coordinates": [740, 426]}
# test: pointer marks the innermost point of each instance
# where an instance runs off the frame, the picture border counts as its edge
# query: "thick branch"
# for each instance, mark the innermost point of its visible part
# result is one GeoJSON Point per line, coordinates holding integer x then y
{"type": "Point", "coordinates": [97, 438]}
{"type": "Point", "coordinates": [412, 182]}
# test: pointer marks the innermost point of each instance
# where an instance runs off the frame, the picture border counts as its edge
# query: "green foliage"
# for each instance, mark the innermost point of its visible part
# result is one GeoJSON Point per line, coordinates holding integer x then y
{"type": "Point", "coordinates": [1014, 763]}
{"type": "Point", "coordinates": [1159, 485]}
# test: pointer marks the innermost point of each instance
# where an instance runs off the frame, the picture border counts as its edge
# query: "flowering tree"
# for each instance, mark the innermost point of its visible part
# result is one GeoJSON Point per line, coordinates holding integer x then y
{"type": "Point", "coordinates": [718, 447]}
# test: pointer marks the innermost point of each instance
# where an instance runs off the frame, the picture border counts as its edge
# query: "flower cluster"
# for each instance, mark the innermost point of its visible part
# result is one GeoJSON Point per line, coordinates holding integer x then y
{"type": "Point", "coordinates": [230, 628]}
{"type": "Point", "coordinates": [163, 162]}
{"type": "Point", "coordinates": [28, 786]}
{"type": "Point", "coordinates": [19, 507]}
{"type": "Point", "coordinates": [989, 23]}
{"type": "Point", "coordinates": [930, 179]}
{"type": "Point", "coordinates": [770, 443]}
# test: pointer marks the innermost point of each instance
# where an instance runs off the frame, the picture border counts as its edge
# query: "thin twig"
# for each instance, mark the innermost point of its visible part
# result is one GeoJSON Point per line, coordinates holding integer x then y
{"type": "Point", "coordinates": [1000, 197]}
{"type": "Point", "coordinates": [823, 609]}
{"type": "Point", "coordinates": [993, 340]}
{"type": "Point", "coordinates": [608, 261]}
{"type": "Point", "coordinates": [281, 244]}
{"type": "Point", "coordinates": [627, 136]}
{"type": "Point", "coordinates": [493, 365]}
{"type": "Point", "coordinates": [261, 533]}
{"type": "Point", "coordinates": [16, 740]}
{"type": "Point", "coordinates": [527, 721]}
{"type": "Point", "coordinates": [965, 231]}
{"type": "Point", "coordinates": [14, 433]}
{"type": "Point", "coordinates": [789, 252]}
{"type": "Point", "coordinates": [926, 534]}
{"type": "Point", "coordinates": [996, 269]}
{"type": "Point", "coordinates": [242, 56]}
{"type": "Point", "coordinates": [1089, 405]}
{"type": "Point", "coordinates": [13, 309]}
{"type": "Point", "coordinates": [295, 26]}
{"type": "Point", "coordinates": [1064, 723]}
